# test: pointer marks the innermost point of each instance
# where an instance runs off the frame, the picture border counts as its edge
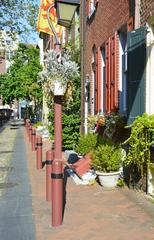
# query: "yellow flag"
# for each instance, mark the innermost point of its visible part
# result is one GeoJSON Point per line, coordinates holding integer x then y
{"type": "Point", "coordinates": [42, 24]}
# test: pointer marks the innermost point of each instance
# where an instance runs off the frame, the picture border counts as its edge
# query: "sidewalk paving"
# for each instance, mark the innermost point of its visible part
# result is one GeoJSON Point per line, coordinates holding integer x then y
{"type": "Point", "coordinates": [16, 220]}
{"type": "Point", "coordinates": [91, 212]}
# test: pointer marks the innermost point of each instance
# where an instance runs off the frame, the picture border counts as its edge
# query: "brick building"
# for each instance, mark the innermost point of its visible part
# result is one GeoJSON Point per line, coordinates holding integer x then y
{"type": "Point", "coordinates": [117, 54]}
{"type": "Point", "coordinates": [115, 69]}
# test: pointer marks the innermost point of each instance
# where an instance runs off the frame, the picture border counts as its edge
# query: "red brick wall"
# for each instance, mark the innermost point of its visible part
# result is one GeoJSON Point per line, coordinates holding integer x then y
{"type": "Point", "coordinates": [109, 17]}
{"type": "Point", "coordinates": [147, 9]}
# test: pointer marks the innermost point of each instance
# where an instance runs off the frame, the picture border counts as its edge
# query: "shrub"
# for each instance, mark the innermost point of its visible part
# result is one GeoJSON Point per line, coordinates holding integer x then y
{"type": "Point", "coordinates": [37, 124]}
{"type": "Point", "coordinates": [107, 158]}
{"type": "Point", "coordinates": [86, 143]}
{"type": "Point", "coordinates": [140, 141]}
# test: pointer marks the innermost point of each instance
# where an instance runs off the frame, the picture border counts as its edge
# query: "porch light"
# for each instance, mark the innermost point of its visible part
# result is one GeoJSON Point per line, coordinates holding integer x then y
{"type": "Point", "coordinates": [65, 11]}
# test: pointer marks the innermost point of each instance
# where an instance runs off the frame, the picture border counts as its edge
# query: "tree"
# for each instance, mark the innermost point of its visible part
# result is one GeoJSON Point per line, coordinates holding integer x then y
{"type": "Point", "coordinates": [21, 81]}
{"type": "Point", "coordinates": [18, 16]}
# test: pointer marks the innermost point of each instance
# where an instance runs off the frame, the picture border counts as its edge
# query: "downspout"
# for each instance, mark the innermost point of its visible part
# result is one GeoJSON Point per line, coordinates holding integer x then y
{"type": "Point", "coordinates": [82, 47]}
{"type": "Point", "coordinates": [137, 14]}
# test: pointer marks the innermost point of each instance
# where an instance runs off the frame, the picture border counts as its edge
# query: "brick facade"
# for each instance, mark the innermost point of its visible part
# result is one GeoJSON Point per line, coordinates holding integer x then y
{"type": "Point", "coordinates": [109, 17]}
{"type": "Point", "coordinates": [146, 10]}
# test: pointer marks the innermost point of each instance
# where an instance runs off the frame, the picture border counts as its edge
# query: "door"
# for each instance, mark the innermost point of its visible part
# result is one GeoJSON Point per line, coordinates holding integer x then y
{"type": "Point", "coordinates": [136, 47]}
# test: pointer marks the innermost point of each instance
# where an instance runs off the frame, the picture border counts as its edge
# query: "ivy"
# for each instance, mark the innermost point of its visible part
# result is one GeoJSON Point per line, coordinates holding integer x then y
{"type": "Point", "coordinates": [140, 141]}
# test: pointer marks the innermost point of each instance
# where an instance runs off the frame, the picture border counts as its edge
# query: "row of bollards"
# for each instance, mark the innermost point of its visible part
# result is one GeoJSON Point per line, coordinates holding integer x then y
{"type": "Point", "coordinates": [54, 174]}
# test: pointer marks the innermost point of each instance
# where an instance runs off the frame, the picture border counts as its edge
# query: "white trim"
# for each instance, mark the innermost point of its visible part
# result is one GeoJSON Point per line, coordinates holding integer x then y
{"type": "Point", "coordinates": [149, 104]}
{"type": "Point", "coordinates": [122, 76]}
{"type": "Point", "coordinates": [92, 8]}
{"type": "Point", "coordinates": [102, 104]}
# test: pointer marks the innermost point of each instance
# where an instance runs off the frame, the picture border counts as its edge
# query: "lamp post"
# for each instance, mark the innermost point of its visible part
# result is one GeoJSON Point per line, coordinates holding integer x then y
{"type": "Point", "coordinates": [65, 13]}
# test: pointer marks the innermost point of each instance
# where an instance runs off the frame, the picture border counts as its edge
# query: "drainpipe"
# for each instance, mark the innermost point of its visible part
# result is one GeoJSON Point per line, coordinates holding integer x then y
{"type": "Point", "coordinates": [137, 14]}
{"type": "Point", "coordinates": [82, 45]}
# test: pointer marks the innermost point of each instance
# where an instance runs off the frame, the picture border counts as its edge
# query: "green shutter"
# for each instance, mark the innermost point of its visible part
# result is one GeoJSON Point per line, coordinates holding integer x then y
{"type": "Point", "coordinates": [136, 47]}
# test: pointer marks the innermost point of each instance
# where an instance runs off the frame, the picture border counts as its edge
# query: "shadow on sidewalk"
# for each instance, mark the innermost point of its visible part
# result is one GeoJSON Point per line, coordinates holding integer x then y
{"type": "Point", "coordinates": [66, 175]}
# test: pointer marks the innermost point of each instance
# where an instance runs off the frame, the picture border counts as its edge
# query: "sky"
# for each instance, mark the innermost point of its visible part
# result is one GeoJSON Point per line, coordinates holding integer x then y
{"type": "Point", "coordinates": [32, 38]}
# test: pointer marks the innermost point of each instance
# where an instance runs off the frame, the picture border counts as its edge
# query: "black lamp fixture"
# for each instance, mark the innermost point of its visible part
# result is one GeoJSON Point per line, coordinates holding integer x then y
{"type": "Point", "coordinates": [65, 11]}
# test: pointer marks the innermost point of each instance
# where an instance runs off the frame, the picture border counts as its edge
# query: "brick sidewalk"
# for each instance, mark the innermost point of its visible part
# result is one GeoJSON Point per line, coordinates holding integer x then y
{"type": "Point", "coordinates": [91, 213]}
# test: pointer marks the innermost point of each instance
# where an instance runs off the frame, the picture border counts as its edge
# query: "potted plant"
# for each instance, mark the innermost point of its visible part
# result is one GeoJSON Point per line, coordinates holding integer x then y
{"type": "Point", "coordinates": [107, 160]}
{"type": "Point", "coordinates": [58, 73]}
{"type": "Point", "coordinates": [86, 144]}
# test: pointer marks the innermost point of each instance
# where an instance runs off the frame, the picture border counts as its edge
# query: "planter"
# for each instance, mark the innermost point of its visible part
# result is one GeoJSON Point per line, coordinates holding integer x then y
{"type": "Point", "coordinates": [59, 88]}
{"type": "Point", "coordinates": [108, 179]}
{"type": "Point", "coordinates": [151, 180]}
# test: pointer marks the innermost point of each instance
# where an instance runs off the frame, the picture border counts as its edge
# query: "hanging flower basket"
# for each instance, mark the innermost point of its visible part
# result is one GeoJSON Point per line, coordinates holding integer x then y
{"type": "Point", "coordinates": [59, 88]}
{"type": "Point", "coordinates": [58, 73]}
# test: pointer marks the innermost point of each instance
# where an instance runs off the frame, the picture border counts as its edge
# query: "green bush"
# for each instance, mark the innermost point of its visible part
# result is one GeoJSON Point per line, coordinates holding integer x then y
{"type": "Point", "coordinates": [140, 141]}
{"type": "Point", "coordinates": [107, 158]}
{"type": "Point", "coordinates": [37, 124]}
{"type": "Point", "coordinates": [86, 143]}
{"type": "Point", "coordinates": [70, 129]}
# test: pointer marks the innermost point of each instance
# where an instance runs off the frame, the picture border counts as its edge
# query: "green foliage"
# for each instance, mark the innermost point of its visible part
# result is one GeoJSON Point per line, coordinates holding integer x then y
{"type": "Point", "coordinates": [70, 112]}
{"type": "Point", "coordinates": [71, 127]}
{"type": "Point", "coordinates": [112, 122]}
{"type": "Point", "coordinates": [107, 158]}
{"type": "Point", "coordinates": [58, 68]}
{"type": "Point", "coordinates": [18, 16]}
{"type": "Point", "coordinates": [121, 182]}
{"type": "Point", "coordinates": [87, 143]}
{"type": "Point", "coordinates": [37, 124]}
{"type": "Point", "coordinates": [21, 81]}
{"type": "Point", "coordinates": [92, 120]}
{"type": "Point", "coordinates": [140, 140]}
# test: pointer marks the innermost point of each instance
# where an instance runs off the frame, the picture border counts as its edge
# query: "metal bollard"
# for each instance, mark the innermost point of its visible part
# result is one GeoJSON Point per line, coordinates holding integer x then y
{"type": "Point", "coordinates": [33, 139]}
{"type": "Point", "coordinates": [49, 160]}
{"type": "Point", "coordinates": [57, 192]}
{"type": "Point", "coordinates": [27, 128]}
{"type": "Point", "coordinates": [39, 152]}
{"type": "Point", "coordinates": [25, 122]}
{"type": "Point", "coordinates": [30, 133]}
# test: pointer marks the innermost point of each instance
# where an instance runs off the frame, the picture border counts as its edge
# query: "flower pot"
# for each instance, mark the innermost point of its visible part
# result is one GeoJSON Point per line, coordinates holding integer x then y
{"type": "Point", "coordinates": [108, 179]}
{"type": "Point", "coordinates": [151, 180]}
{"type": "Point", "coordinates": [59, 88]}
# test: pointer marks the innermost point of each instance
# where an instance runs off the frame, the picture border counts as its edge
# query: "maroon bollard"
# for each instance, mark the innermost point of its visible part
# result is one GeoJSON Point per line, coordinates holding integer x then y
{"type": "Point", "coordinates": [27, 127]}
{"type": "Point", "coordinates": [49, 160]}
{"type": "Point", "coordinates": [25, 122]}
{"type": "Point", "coordinates": [57, 193]}
{"type": "Point", "coordinates": [33, 139]}
{"type": "Point", "coordinates": [39, 152]}
{"type": "Point", "coordinates": [30, 133]}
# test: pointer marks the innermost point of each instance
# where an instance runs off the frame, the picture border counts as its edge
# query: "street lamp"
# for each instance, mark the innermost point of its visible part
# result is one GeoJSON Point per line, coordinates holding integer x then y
{"type": "Point", "coordinates": [65, 11]}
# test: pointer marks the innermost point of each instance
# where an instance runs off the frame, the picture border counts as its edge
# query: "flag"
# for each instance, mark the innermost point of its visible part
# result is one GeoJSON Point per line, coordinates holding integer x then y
{"type": "Point", "coordinates": [42, 24]}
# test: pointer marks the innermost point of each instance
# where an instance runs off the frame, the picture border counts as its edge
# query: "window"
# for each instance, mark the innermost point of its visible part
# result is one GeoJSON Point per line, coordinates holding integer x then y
{"type": "Point", "coordinates": [91, 7]}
